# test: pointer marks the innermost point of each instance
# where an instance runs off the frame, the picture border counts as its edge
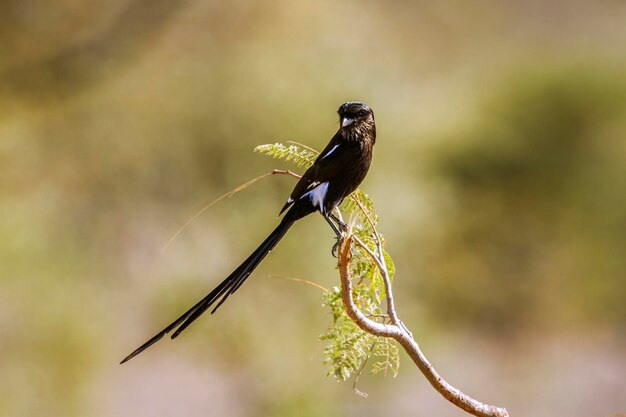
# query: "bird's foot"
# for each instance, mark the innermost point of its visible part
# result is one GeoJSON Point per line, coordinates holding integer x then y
{"type": "Point", "coordinates": [336, 246]}
{"type": "Point", "coordinates": [342, 225]}
{"type": "Point", "coordinates": [333, 251]}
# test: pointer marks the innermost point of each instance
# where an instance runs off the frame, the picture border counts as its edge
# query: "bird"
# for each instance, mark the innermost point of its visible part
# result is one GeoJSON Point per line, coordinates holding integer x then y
{"type": "Point", "coordinates": [336, 172]}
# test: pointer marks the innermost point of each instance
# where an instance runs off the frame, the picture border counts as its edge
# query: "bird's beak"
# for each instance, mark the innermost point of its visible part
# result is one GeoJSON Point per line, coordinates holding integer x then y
{"type": "Point", "coordinates": [346, 121]}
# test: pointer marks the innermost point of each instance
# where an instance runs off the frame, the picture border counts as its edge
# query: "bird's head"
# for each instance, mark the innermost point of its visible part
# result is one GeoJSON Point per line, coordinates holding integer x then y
{"type": "Point", "coordinates": [354, 113]}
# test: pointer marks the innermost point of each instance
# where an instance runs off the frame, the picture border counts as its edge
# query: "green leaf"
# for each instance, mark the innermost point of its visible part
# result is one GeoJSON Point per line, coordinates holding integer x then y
{"type": "Point", "coordinates": [300, 156]}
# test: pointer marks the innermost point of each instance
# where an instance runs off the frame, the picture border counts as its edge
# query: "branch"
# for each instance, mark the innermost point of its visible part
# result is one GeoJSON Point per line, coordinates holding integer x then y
{"type": "Point", "coordinates": [380, 263]}
{"type": "Point", "coordinates": [398, 331]}
{"type": "Point", "coordinates": [382, 267]}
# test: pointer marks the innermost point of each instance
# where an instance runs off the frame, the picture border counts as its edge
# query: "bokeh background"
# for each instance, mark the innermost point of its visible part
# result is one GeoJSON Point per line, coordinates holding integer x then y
{"type": "Point", "coordinates": [499, 175]}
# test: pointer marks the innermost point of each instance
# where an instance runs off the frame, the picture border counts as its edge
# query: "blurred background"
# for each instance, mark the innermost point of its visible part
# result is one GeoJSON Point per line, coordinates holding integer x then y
{"type": "Point", "coordinates": [499, 175]}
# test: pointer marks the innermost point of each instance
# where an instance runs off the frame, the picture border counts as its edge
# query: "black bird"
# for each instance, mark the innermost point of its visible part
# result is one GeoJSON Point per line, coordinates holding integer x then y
{"type": "Point", "coordinates": [337, 172]}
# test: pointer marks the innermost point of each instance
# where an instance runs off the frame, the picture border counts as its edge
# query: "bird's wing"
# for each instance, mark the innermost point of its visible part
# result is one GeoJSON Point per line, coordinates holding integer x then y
{"type": "Point", "coordinates": [330, 162]}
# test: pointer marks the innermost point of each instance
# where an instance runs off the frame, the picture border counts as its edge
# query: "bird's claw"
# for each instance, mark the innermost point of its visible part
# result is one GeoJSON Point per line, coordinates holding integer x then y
{"type": "Point", "coordinates": [333, 251]}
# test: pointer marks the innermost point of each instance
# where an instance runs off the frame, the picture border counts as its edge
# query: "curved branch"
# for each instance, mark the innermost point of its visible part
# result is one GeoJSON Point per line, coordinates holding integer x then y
{"type": "Point", "coordinates": [382, 267]}
{"type": "Point", "coordinates": [365, 323]}
{"type": "Point", "coordinates": [398, 332]}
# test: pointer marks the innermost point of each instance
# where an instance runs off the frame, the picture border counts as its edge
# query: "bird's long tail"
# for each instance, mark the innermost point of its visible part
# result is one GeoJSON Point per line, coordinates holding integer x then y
{"type": "Point", "coordinates": [223, 290]}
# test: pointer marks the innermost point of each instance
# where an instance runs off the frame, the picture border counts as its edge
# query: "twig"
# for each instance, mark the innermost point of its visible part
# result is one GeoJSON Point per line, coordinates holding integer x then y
{"type": "Point", "coordinates": [380, 262]}
{"type": "Point", "coordinates": [398, 332]}
{"type": "Point", "coordinates": [285, 172]}
{"type": "Point", "coordinates": [302, 280]}
{"type": "Point", "coordinates": [382, 267]}
{"type": "Point", "coordinates": [360, 372]}
{"type": "Point", "coordinates": [229, 194]}
{"type": "Point", "coordinates": [367, 216]}
{"type": "Point", "coordinates": [368, 325]}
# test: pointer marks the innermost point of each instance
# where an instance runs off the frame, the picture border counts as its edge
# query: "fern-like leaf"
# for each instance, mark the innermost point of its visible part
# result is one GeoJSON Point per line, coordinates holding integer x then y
{"type": "Point", "coordinates": [302, 157]}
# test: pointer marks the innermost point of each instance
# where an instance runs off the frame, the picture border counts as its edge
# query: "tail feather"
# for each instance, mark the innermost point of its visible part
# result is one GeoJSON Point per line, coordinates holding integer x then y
{"type": "Point", "coordinates": [224, 290]}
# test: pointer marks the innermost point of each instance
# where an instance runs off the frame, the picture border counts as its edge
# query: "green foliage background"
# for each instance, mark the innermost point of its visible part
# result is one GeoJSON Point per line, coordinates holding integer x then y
{"type": "Point", "coordinates": [498, 176]}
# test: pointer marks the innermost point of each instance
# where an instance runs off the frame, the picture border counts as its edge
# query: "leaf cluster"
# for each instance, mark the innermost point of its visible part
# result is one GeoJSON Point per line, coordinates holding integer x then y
{"type": "Point", "coordinates": [299, 155]}
{"type": "Point", "coordinates": [348, 347]}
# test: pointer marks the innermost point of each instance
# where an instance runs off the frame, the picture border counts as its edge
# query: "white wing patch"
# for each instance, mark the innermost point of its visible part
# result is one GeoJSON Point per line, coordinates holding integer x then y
{"type": "Point", "coordinates": [318, 196]}
{"type": "Point", "coordinates": [312, 185]}
{"type": "Point", "coordinates": [331, 151]}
